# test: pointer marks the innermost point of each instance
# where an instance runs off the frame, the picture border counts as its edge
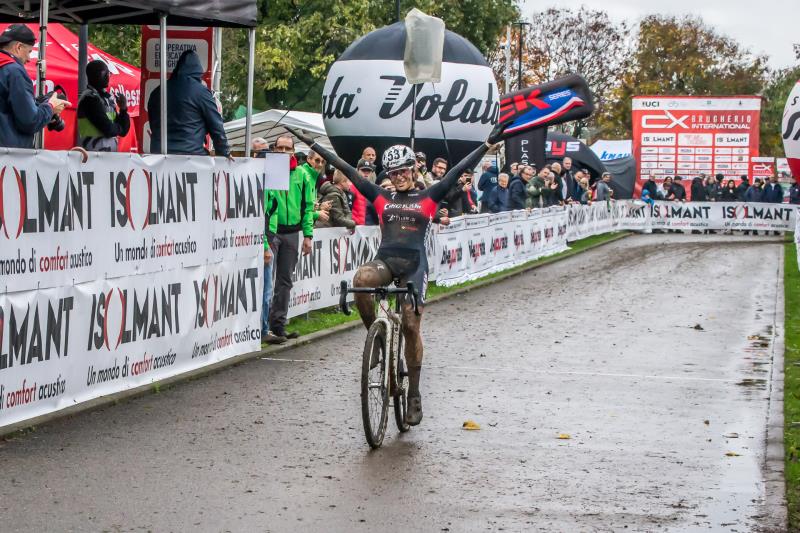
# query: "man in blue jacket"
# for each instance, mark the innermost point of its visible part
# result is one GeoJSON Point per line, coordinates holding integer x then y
{"type": "Point", "coordinates": [773, 192]}
{"type": "Point", "coordinates": [191, 112]}
{"type": "Point", "coordinates": [21, 118]}
{"type": "Point", "coordinates": [486, 184]}
{"type": "Point", "coordinates": [517, 192]}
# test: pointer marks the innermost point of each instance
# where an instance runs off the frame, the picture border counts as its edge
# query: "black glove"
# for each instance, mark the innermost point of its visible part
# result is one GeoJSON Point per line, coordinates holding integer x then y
{"type": "Point", "coordinates": [122, 102]}
{"type": "Point", "coordinates": [300, 135]}
{"type": "Point", "coordinates": [498, 131]}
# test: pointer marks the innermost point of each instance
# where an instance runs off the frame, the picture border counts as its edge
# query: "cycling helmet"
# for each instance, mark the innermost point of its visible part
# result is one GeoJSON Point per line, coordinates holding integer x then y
{"type": "Point", "coordinates": [397, 157]}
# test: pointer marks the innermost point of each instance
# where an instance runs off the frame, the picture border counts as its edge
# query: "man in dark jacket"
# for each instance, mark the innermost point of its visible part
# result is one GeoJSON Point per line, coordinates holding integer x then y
{"type": "Point", "coordinates": [773, 192]}
{"type": "Point", "coordinates": [677, 191]}
{"type": "Point", "coordinates": [486, 184]}
{"type": "Point", "coordinates": [462, 199]}
{"type": "Point", "coordinates": [651, 186]}
{"type": "Point", "coordinates": [741, 189]}
{"type": "Point", "coordinates": [794, 192]}
{"type": "Point", "coordinates": [99, 123]}
{"type": "Point", "coordinates": [191, 112]}
{"type": "Point", "coordinates": [497, 200]}
{"type": "Point", "coordinates": [517, 187]}
{"type": "Point", "coordinates": [21, 118]}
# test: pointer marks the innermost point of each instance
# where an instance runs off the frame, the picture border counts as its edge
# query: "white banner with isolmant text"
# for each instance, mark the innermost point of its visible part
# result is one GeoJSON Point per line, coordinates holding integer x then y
{"type": "Point", "coordinates": [123, 271]}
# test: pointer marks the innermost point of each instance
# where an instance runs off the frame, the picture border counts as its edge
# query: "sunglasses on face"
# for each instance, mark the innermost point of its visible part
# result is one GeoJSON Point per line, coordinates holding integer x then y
{"type": "Point", "coordinates": [399, 172]}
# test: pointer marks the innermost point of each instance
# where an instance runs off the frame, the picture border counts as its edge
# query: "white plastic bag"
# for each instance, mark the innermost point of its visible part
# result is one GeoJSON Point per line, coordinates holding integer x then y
{"type": "Point", "coordinates": [424, 46]}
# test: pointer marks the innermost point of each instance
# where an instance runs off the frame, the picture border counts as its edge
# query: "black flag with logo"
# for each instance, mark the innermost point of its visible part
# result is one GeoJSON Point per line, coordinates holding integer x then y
{"type": "Point", "coordinates": [527, 148]}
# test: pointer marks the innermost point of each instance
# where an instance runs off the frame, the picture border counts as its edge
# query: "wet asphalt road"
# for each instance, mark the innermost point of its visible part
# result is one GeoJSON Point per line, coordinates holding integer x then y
{"type": "Point", "coordinates": [654, 353]}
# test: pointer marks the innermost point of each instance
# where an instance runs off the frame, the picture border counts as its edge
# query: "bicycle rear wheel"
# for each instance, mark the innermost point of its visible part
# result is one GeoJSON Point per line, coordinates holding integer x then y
{"type": "Point", "coordinates": [375, 385]}
{"type": "Point", "coordinates": [400, 378]}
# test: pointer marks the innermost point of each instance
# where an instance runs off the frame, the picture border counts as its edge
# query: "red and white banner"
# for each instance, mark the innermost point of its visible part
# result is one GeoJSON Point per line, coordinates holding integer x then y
{"type": "Point", "coordinates": [179, 39]}
{"type": "Point", "coordinates": [689, 136]}
{"type": "Point", "coordinates": [762, 167]}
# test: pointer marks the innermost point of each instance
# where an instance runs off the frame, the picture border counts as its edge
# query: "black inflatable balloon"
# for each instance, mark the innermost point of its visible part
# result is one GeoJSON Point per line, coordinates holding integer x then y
{"type": "Point", "coordinates": [367, 101]}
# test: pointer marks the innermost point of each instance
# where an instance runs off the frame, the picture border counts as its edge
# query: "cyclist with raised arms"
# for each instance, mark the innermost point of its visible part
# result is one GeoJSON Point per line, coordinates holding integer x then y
{"type": "Point", "coordinates": [405, 216]}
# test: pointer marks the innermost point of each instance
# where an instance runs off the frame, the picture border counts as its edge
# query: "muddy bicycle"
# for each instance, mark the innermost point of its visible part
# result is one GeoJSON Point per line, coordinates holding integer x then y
{"type": "Point", "coordinates": [384, 372]}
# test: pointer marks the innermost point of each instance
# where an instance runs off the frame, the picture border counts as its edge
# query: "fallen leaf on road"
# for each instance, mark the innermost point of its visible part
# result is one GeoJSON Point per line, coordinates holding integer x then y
{"type": "Point", "coordinates": [470, 425]}
{"type": "Point", "coordinates": [564, 436]}
{"type": "Point", "coordinates": [733, 454]}
{"type": "Point", "coordinates": [731, 435]}
{"type": "Point", "coordinates": [706, 422]}
{"type": "Point", "coordinates": [698, 327]}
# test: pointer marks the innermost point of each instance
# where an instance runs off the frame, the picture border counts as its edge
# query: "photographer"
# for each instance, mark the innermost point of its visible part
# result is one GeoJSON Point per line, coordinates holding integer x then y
{"type": "Point", "coordinates": [461, 200]}
{"type": "Point", "coordinates": [99, 123]}
{"type": "Point", "coordinates": [21, 117]}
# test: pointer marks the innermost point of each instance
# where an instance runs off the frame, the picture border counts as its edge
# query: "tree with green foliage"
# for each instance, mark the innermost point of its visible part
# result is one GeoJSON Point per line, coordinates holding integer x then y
{"type": "Point", "coordinates": [298, 41]}
{"type": "Point", "coordinates": [681, 56]}
{"type": "Point", "coordinates": [563, 41]}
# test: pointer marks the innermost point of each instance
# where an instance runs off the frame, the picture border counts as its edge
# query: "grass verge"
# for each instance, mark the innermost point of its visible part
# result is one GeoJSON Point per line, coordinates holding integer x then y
{"type": "Point", "coordinates": [791, 383]}
{"type": "Point", "coordinates": [330, 317]}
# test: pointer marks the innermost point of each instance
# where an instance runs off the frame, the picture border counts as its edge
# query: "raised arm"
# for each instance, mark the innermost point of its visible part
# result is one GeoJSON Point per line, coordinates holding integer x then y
{"type": "Point", "coordinates": [438, 190]}
{"type": "Point", "coordinates": [365, 187]}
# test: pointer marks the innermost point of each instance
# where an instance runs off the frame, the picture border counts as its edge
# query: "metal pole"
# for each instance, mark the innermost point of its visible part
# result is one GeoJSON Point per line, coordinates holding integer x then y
{"type": "Point", "coordinates": [41, 64]}
{"type": "Point", "coordinates": [508, 60]}
{"type": "Point", "coordinates": [397, 10]}
{"type": "Point", "coordinates": [251, 67]}
{"type": "Point", "coordinates": [162, 43]}
{"type": "Point", "coordinates": [413, 114]}
{"type": "Point", "coordinates": [519, 54]}
{"type": "Point", "coordinates": [83, 52]}
{"type": "Point", "coordinates": [216, 70]}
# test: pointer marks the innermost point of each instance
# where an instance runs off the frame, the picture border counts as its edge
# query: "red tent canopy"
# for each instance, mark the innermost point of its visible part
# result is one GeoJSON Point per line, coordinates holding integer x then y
{"type": "Point", "coordinates": [62, 69]}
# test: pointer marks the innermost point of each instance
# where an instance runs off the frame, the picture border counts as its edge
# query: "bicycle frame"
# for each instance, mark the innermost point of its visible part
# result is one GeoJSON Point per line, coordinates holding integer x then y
{"type": "Point", "coordinates": [392, 319]}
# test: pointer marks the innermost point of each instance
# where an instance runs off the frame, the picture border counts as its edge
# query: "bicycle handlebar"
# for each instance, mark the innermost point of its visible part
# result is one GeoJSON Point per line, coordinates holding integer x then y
{"type": "Point", "coordinates": [382, 291]}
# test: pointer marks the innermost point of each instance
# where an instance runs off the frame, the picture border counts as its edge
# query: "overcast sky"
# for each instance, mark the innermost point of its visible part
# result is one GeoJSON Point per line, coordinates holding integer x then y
{"type": "Point", "coordinates": [763, 26]}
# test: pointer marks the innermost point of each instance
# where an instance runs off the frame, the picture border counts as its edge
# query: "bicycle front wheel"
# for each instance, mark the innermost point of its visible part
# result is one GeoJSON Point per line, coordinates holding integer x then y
{"type": "Point", "coordinates": [375, 385]}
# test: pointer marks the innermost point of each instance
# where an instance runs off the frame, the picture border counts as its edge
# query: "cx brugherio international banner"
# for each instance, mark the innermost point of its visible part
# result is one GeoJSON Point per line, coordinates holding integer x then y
{"type": "Point", "coordinates": [689, 136]}
{"type": "Point", "coordinates": [123, 271]}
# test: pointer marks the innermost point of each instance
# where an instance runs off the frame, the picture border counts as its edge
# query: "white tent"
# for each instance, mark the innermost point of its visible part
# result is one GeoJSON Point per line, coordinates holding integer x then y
{"type": "Point", "coordinates": [610, 150]}
{"type": "Point", "coordinates": [268, 125]}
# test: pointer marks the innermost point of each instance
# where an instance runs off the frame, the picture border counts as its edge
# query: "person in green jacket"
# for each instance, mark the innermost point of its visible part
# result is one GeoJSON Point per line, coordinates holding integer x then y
{"type": "Point", "coordinates": [294, 219]}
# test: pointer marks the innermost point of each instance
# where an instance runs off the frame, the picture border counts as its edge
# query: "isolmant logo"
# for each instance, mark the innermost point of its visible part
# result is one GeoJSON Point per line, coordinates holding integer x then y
{"type": "Point", "coordinates": [121, 316]}
{"type": "Point", "coordinates": [31, 203]}
{"type": "Point", "coordinates": [35, 334]}
{"type": "Point", "coordinates": [237, 196]}
{"type": "Point", "coordinates": [141, 198]}
{"type": "Point", "coordinates": [218, 297]}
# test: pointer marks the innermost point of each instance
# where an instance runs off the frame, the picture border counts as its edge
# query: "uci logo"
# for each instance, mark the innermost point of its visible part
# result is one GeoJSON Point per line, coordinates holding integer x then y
{"type": "Point", "coordinates": [651, 104]}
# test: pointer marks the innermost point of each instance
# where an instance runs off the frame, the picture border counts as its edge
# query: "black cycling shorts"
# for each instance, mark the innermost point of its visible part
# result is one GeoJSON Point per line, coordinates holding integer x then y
{"type": "Point", "coordinates": [405, 266]}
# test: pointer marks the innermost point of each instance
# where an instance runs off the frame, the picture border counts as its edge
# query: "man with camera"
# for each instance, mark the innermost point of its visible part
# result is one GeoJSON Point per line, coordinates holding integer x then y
{"type": "Point", "coordinates": [21, 116]}
{"type": "Point", "coordinates": [99, 122]}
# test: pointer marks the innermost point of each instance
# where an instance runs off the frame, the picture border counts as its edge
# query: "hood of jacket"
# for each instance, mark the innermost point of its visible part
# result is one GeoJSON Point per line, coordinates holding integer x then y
{"type": "Point", "coordinates": [329, 188]}
{"type": "Point", "coordinates": [6, 59]}
{"type": "Point", "coordinates": [188, 66]}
